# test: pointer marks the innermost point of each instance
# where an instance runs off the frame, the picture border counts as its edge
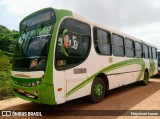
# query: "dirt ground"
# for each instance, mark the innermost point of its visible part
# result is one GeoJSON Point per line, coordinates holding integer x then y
{"type": "Point", "coordinates": [131, 97]}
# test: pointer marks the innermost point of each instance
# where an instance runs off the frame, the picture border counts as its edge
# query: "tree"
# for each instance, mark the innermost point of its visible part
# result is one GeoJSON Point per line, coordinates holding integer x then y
{"type": "Point", "coordinates": [8, 39]}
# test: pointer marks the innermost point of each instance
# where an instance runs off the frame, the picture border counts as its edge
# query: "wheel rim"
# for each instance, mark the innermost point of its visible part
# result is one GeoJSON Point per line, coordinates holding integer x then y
{"type": "Point", "coordinates": [98, 90]}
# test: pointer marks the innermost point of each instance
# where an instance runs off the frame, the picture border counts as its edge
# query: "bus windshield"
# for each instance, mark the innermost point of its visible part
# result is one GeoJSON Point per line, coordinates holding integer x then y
{"type": "Point", "coordinates": [33, 45]}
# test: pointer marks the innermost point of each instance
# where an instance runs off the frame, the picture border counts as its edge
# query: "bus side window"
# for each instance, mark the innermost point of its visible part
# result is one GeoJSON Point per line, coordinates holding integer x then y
{"type": "Point", "coordinates": [154, 53]}
{"type": "Point", "coordinates": [85, 44]}
{"type": "Point", "coordinates": [138, 50]}
{"type": "Point", "coordinates": [77, 36]}
{"type": "Point", "coordinates": [145, 51]}
{"type": "Point", "coordinates": [129, 48]}
{"type": "Point", "coordinates": [118, 45]}
{"type": "Point", "coordinates": [102, 42]}
{"type": "Point", "coordinates": [150, 53]}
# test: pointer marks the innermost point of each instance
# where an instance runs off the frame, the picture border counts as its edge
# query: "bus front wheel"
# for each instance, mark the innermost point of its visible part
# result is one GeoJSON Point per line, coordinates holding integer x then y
{"type": "Point", "coordinates": [97, 90]}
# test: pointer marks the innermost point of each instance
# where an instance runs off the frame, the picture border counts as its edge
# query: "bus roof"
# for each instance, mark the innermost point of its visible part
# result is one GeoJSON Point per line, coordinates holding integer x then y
{"type": "Point", "coordinates": [97, 24]}
{"type": "Point", "coordinates": [102, 26]}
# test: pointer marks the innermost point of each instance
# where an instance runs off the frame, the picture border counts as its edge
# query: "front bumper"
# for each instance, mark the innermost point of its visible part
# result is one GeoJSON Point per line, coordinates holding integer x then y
{"type": "Point", "coordinates": [42, 93]}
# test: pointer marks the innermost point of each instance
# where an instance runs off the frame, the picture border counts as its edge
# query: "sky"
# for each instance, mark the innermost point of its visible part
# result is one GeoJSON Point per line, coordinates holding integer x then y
{"type": "Point", "coordinates": [138, 18]}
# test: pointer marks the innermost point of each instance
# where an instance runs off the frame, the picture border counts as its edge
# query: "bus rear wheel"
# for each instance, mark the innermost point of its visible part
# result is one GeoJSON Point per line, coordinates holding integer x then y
{"type": "Point", "coordinates": [146, 78]}
{"type": "Point", "coordinates": [98, 90]}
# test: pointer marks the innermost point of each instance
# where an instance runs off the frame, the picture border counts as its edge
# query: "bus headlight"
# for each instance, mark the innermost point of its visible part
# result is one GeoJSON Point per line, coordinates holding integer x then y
{"type": "Point", "coordinates": [34, 84]}
{"type": "Point", "coordinates": [38, 82]}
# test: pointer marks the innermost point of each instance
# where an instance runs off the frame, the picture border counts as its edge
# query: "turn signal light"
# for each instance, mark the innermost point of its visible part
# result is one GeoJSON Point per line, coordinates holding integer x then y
{"type": "Point", "coordinates": [59, 89]}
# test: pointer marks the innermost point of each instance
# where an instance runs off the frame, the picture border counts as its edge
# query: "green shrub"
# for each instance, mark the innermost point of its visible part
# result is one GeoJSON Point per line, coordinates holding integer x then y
{"type": "Point", "coordinates": [8, 54]}
{"type": "Point", "coordinates": [5, 64]}
{"type": "Point", "coordinates": [1, 53]}
{"type": "Point", "coordinates": [5, 75]}
{"type": "Point", "coordinates": [5, 87]}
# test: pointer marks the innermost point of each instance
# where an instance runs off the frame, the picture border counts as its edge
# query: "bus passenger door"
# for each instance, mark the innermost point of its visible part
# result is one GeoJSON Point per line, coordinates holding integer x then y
{"type": "Point", "coordinates": [74, 39]}
{"type": "Point", "coordinates": [74, 77]}
{"type": "Point", "coordinates": [71, 59]}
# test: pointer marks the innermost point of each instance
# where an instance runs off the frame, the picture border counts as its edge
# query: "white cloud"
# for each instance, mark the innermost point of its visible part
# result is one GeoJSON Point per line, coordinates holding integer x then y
{"type": "Point", "coordinates": [23, 7]}
{"type": "Point", "coordinates": [139, 18]}
{"type": "Point", "coordinates": [15, 10]}
{"type": "Point", "coordinates": [1, 3]}
{"type": "Point", "coordinates": [149, 33]}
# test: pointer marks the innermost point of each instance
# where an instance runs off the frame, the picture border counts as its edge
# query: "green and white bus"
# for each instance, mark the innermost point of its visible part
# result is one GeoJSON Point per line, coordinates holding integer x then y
{"type": "Point", "coordinates": [61, 56]}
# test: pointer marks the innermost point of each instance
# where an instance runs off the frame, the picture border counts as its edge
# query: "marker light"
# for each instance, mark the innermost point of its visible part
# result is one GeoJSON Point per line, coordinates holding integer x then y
{"type": "Point", "coordinates": [59, 89]}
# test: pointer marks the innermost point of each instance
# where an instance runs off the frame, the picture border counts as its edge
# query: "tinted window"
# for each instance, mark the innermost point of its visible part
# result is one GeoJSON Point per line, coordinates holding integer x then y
{"type": "Point", "coordinates": [129, 44]}
{"type": "Point", "coordinates": [145, 51]}
{"type": "Point", "coordinates": [150, 52]}
{"type": "Point", "coordinates": [154, 53]}
{"type": "Point", "coordinates": [32, 48]}
{"type": "Point", "coordinates": [42, 17]}
{"type": "Point", "coordinates": [38, 46]}
{"type": "Point", "coordinates": [102, 41]}
{"type": "Point", "coordinates": [76, 27]}
{"type": "Point", "coordinates": [118, 47]}
{"type": "Point", "coordinates": [138, 49]}
{"type": "Point", "coordinates": [117, 40]}
{"type": "Point", "coordinates": [73, 44]}
{"type": "Point", "coordinates": [138, 46]}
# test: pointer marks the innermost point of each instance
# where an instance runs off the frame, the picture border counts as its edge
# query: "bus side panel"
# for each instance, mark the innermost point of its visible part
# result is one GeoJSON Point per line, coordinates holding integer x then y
{"type": "Point", "coordinates": [80, 92]}
{"type": "Point", "coordinates": [96, 63]}
{"type": "Point", "coordinates": [74, 78]}
{"type": "Point", "coordinates": [119, 72]}
{"type": "Point", "coordinates": [147, 64]}
{"type": "Point", "coordinates": [156, 66]}
{"type": "Point", "coordinates": [59, 86]}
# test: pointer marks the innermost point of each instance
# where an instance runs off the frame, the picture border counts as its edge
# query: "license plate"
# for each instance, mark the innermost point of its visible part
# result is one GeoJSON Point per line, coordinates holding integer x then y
{"type": "Point", "coordinates": [21, 90]}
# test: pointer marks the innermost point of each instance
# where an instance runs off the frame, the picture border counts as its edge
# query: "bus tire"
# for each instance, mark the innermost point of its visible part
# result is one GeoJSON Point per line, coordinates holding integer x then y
{"type": "Point", "coordinates": [146, 78]}
{"type": "Point", "coordinates": [98, 90]}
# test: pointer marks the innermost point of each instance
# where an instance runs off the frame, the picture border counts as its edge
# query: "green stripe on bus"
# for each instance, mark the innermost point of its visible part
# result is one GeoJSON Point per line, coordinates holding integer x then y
{"type": "Point", "coordinates": [108, 69]}
{"type": "Point", "coordinates": [60, 14]}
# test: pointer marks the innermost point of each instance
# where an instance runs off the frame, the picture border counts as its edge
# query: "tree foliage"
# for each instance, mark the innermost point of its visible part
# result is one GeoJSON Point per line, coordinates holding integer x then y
{"type": "Point", "coordinates": [4, 63]}
{"type": "Point", "coordinates": [8, 39]}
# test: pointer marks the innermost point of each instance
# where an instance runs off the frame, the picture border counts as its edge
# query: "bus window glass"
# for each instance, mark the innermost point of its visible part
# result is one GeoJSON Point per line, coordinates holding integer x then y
{"type": "Point", "coordinates": [154, 53]}
{"type": "Point", "coordinates": [145, 51]}
{"type": "Point", "coordinates": [32, 48]}
{"type": "Point", "coordinates": [102, 41]}
{"type": "Point", "coordinates": [118, 47]}
{"type": "Point", "coordinates": [138, 49]}
{"type": "Point", "coordinates": [73, 44]}
{"type": "Point", "coordinates": [129, 48]}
